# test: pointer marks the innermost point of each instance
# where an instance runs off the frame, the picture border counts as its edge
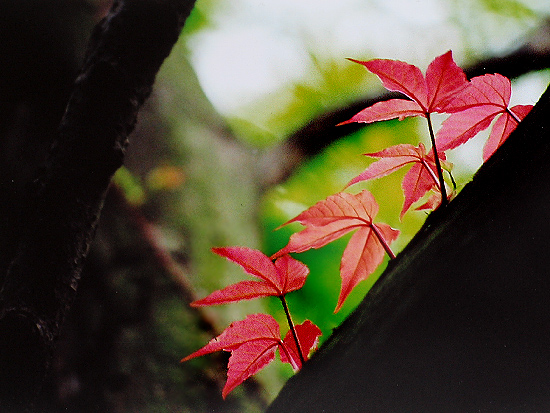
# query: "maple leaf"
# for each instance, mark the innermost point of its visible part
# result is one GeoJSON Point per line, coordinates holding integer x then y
{"type": "Point", "coordinates": [420, 179]}
{"type": "Point", "coordinates": [253, 343]}
{"type": "Point", "coordinates": [503, 127]}
{"type": "Point", "coordinates": [336, 216]}
{"type": "Point", "coordinates": [308, 337]}
{"type": "Point", "coordinates": [473, 109]}
{"type": "Point", "coordinates": [286, 274]}
{"type": "Point", "coordinates": [429, 94]}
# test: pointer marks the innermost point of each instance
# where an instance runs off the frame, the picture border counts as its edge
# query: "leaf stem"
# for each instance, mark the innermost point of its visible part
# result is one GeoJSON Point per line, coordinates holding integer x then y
{"type": "Point", "coordinates": [513, 115]}
{"type": "Point", "coordinates": [382, 241]}
{"type": "Point", "coordinates": [431, 172]}
{"type": "Point", "coordinates": [452, 180]}
{"type": "Point", "coordinates": [292, 329]}
{"type": "Point", "coordinates": [437, 163]}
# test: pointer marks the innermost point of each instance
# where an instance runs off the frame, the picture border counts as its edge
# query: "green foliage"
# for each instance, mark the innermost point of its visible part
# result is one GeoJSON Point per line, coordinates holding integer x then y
{"type": "Point", "coordinates": [486, 26]}
{"type": "Point", "coordinates": [199, 18]}
{"type": "Point", "coordinates": [509, 8]}
{"type": "Point", "coordinates": [130, 186]}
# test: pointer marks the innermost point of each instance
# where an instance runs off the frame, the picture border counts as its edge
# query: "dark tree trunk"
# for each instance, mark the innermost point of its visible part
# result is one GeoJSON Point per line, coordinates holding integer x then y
{"type": "Point", "coordinates": [460, 320]}
{"type": "Point", "coordinates": [58, 211]}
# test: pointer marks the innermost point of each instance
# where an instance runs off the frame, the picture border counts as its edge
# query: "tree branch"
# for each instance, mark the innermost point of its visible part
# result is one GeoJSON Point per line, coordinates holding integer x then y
{"type": "Point", "coordinates": [126, 50]}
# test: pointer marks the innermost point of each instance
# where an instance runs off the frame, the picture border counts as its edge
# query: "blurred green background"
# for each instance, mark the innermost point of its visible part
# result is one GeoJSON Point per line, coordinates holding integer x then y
{"type": "Point", "coordinates": [212, 163]}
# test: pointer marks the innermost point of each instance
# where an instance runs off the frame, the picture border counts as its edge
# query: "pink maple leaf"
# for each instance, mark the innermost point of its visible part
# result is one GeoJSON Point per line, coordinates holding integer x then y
{"type": "Point", "coordinates": [503, 127]}
{"type": "Point", "coordinates": [473, 109]}
{"type": "Point", "coordinates": [336, 216]}
{"type": "Point", "coordinates": [429, 94]}
{"type": "Point", "coordinates": [253, 343]}
{"type": "Point", "coordinates": [308, 336]}
{"type": "Point", "coordinates": [420, 179]}
{"type": "Point", "coordinates": [286, 274]}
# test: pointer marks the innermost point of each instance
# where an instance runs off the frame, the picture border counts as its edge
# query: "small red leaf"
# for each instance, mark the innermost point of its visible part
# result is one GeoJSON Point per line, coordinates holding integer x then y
{"type": "Point", "coordinates": [390, 160]}
{"type": "Point", "coordinates": [244, 290]}
{"type": "Point", "coordinates": [421, 178]}
{"type": "Point", "coordinates": [295, 273]}
{"type": "Point", "coordinates": [329, 219]}
{"type": "Point", "coordinates": [431, 203]}
{"type": "Point", "coordinates": [252, 343]}
{"type": "Point", "coordinates": [400, 77]}
{"type": "Point", "coordinates": [460, 127]}
{"type": "Point", "coordinates": [363, 254]}
{"type": "Point", "coordinates": [503, 127]}
{"type": "Point", "coordinates": [285, 275]}
{"type": "Point", "coordinates": [474, 109]}
{"type": "Point", "coordinates": [334, 217]}
{"type": "Point", "coordinates": [254, 262]}
{"type": "Point", "coordinates": [388, 109]}
{"type": "Point", "coordinates": [247, 360]}
{"type": "Point", "coordinates": [444, 79]}
{"type": "Point", "coordinates": [491, 89]}
{"type": "Point", "coordinates": [308, 336]}
{"type": "Point", "coordinates": [521, 111]}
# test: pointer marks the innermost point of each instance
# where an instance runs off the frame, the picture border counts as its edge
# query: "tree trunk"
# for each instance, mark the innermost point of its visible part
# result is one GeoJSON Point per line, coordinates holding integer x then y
{"type": "Point", "coordinates": [460, 320]}
{"type": "Point", "coordinates": [57, 215]}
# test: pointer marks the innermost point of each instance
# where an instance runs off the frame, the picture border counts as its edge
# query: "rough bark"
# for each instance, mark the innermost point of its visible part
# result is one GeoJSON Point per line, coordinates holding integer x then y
{"type": "Point", "coordinates": [59, 211]}
{"type": "Point", "coordinates": [460, 320]}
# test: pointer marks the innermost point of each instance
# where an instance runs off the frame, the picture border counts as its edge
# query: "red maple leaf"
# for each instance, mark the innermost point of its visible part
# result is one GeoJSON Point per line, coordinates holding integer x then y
{"type": "Point", "coordinates": [503, 127]}
{"type": "Point", "coordinates": [286, 274]}
{"type": "Point", "coordinates": [308, 336]}
{"type": "Point", "coordinates": [420, 179]}
{"type": "Point", "coordinates": [474, 108]}
{"type": "Point", "coordinates": [334, 217]}
{"type": "Point", "coordinates": [429, 94]}
{"type": "Point", "coordinates": [252, 343]}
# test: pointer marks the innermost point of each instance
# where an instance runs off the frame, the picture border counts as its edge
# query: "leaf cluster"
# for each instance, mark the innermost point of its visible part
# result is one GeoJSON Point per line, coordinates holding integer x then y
{"type": "Point", "coordinates": [254, 340]}
{"type": "Point", "coordinates": [472, 106]}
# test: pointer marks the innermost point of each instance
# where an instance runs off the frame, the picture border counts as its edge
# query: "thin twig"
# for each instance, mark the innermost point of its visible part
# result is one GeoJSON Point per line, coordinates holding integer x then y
{"type": "Point", "coordinates": [387, 248]}
{"type": "Point", "coordinates": [292, 329]}
{"type": "Point", "coordinates": [513, 115]}
{"type": "Point", "coordinates": [442, 188]}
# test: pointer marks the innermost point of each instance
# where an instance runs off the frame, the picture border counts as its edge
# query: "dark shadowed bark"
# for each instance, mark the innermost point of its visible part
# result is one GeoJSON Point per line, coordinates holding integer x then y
{"type": "Point", "coordinates": [58, 211]}
{"type": "Point", "coordinates": [460, 320]}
